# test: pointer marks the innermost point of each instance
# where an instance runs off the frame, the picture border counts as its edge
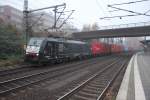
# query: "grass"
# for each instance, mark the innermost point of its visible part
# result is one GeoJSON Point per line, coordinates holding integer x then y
{"type": "Point", "coordinates": [11, 60]}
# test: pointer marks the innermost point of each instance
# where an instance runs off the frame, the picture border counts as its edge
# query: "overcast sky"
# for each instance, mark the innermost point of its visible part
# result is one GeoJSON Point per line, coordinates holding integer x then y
{"type": "Point", "coordinates": [89, 11]}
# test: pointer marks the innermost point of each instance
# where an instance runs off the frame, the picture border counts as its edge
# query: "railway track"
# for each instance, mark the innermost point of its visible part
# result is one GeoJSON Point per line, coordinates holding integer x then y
{"type": "Point", "coordinates": [24, 71]}
{"type": "Point", "coordinates": [95, 87]}
{"type": "Point", "coordinates": [14, 84]}
{"type": "Point", "coordinates": [15, 70]}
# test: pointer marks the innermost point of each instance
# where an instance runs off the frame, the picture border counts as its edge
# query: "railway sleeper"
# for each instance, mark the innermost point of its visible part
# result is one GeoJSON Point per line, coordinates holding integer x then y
{"type": "Point", "coordinates": [95, 85]}
{"type": "Point", "coordinates": [92, 87]}
{"type": "Point", "coordinates": [88, 94]}
{"type": "Point", "coordinates": [79, 97]}
{"type": "Point", "coordinates": [91, 91]}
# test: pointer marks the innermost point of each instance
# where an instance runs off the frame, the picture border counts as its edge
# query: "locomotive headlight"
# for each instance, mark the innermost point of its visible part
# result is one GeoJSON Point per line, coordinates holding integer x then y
{"type": "Point", "coordinates": [37, 54]}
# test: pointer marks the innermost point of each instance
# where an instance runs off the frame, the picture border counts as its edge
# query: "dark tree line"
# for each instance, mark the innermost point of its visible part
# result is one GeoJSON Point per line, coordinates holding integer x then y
{"type": "Point", "coordinates": [10, 41]}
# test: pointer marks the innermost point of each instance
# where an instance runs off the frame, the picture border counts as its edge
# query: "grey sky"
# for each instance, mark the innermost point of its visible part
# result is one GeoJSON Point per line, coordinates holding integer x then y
{"type": "Point", "coordinates": [89, 11]}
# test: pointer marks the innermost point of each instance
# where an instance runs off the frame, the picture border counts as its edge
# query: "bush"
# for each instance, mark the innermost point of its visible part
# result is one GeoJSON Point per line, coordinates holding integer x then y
{"type": "Point", "coordinates": [10, 42]}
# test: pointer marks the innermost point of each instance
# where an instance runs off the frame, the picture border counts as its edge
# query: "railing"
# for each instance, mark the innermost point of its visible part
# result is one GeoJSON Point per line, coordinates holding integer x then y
{"type": "Point", "coordinates": [125, 25]}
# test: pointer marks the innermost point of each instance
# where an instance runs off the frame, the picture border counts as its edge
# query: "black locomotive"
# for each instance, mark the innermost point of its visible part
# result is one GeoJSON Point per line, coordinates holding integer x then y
{"type": "Point", "coordinates": [55, 50]}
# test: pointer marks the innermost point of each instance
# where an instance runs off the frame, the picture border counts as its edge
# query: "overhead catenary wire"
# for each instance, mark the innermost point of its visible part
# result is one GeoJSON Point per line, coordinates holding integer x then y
{"type": "Point", "coordinates": [134, 13]}
{"type": "Point", "coordinates": [38, 19]}
{"type": "Point", "coordinates": [108, 10]}
{"type": "Point", "coordinates": [55, 11]}
{"type": "Point", "coordinates": [64, 22]}
{"type": "Point", "coordinates": [66, 19]}
{"type": "Point", "coordinates": [147, 12]}
{"type": "Point", "coordinates": [138, 13]}
{"type": "Point", "coordinates": [129, 2]}
{"type": "Point", "coordinates": [100, 7]}
{"type": "Point", "coordinates": [61, 13]}
{"type": "Point", "coordinates": [113, 11]}
{"type": "Point", "coordinates": [118, 16]}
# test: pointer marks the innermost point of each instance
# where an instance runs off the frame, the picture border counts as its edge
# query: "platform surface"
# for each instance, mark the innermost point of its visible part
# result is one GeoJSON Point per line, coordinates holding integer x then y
{"type": "Point", "coordinates": [136, 82]}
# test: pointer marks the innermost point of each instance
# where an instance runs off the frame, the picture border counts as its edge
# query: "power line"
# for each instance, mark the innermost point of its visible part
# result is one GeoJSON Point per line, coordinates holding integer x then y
{"type": "Point", "coordinates": [107, 8]}
{"type": "Point", "coordinates": [147, 12]}
{"type": "Point", "coordinates": [113, 11]}
{"type": "Point", "coordinates": [38, 19]}
{"type": "Point", "coordinates": [100, 7]}
{"type": "Point", "coordinates": [66, 19]}
{"type": "Point", "coordinates": [118, 16]}
{"type": "Point", "coordinates": [138, 13]}
{"type": "Point", "coordinates": [129, 2]}
{"type": "Point", "coordinates": [47, 7]}
{"type": "Point", "coordinates": [129, 11]}
{"type": "Point", "coordinates": [61, 13]}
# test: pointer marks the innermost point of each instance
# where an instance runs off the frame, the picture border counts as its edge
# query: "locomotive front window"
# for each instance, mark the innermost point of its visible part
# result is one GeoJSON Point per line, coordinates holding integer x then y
{"type": "Point", "coordinates": [35, 42]}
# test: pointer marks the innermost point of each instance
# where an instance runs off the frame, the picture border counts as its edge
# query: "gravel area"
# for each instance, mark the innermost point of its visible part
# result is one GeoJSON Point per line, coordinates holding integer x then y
{"type": "Point", "coordinates": [113, 90]}
{"type": "Point", "coordinates": [54, 88]}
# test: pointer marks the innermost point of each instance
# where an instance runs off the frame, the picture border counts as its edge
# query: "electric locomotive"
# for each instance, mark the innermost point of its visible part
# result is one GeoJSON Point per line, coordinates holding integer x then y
{"type": "Point", "coordinates": [55, 49]}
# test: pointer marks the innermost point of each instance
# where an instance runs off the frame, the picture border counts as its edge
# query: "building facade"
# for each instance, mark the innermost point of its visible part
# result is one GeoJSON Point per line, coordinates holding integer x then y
{"type": "Point", "coordinates": [134, 42]}
{"type": "Point", "coordinates": [11, 15]}
{"type": "Point", "coordinates": [38, 22]}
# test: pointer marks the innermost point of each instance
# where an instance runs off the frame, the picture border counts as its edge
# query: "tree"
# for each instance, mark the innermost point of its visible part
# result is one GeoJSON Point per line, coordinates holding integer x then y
{"type": "Point", "coordinates": [94, 26]}
{"type": "Point", "coordinates": [10, 42]}
{"type": "Point", "coordinates": [1, 21]}
{"type": "Point", "coordinates": [35, 24]}
{"type": "Point", "coordinates": [88, 27]}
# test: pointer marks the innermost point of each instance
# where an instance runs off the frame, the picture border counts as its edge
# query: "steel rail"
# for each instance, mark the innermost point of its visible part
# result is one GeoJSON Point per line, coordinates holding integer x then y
{"type": "Point", "coordinates": [73, 91]}
{"type": "Point", "coordinates": [11, 71]}
{"type": "Point", "coordinates": [34, 82]}
{"type": "Point", "coordinates": [101, 96]}
{"type": "Point", "coordinates": [50, 70]}
{"type": "Point", "coordinates": [25, 67]}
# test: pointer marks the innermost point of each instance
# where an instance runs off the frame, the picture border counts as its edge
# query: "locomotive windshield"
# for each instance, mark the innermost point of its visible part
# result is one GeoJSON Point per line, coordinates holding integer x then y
{"type": "Point", "coordinates": [35, 42]}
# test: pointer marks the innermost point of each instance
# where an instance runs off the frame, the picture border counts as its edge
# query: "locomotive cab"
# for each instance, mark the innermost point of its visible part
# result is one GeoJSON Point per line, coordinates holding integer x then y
{"type": "Point", "coordinates": [33, 49]}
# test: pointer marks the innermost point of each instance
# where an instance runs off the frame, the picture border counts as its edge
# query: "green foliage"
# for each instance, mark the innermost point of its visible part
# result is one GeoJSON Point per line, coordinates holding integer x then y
{"type": "Point", "coordinates": [11, 60]}
{"type": "Point", "coordinates": [10, 41]}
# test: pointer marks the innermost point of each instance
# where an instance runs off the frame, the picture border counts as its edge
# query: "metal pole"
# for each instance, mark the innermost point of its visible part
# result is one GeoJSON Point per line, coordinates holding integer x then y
{"type": "Point", "coordinates": [55, 12]}
{"type": "Point", "coordinates": [145, 38]}
{"type": "Point", "coordinates": [26, 20]}
{"type": "Point", "coordinates": [27, 28]}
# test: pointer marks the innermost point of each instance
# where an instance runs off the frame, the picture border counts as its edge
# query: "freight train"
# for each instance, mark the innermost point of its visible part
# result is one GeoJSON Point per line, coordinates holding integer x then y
{"type": "Point", "coordinates": [55, 50]}
{"type": "Point", "coordinates": [59, 49]}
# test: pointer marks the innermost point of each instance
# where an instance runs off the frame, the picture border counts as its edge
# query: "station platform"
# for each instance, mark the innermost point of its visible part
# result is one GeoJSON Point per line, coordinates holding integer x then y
{"type": "Point", "coordinates": [136, 82]}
